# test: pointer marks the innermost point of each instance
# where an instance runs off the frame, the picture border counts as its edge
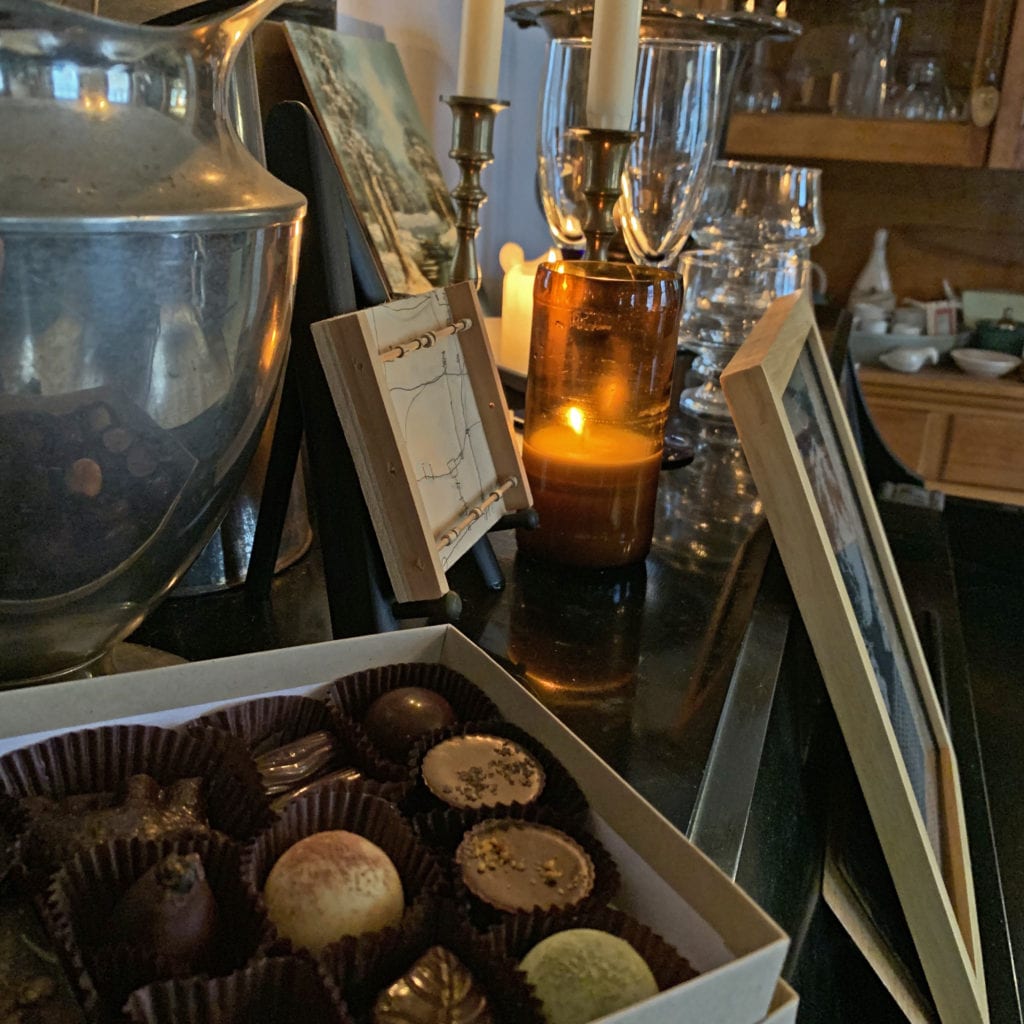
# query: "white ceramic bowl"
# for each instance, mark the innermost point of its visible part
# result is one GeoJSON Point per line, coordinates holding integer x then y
{"type": "Point", "coordinates": [981, 362]}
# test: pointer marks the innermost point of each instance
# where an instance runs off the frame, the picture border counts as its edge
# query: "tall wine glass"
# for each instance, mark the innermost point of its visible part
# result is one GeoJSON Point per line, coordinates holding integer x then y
{"type": "Point", "coordinates": [563, 105]}
{"type": "Point", "coordinates": [676, 106]}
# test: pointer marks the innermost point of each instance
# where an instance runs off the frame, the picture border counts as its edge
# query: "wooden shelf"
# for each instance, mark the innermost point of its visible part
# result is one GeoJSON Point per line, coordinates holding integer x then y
{"type": "Point", "coordinates": [824, 137]}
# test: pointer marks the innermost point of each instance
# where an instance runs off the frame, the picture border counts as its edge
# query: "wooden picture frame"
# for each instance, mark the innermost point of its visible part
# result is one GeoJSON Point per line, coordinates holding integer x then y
{"type": "Point", "coordinates": [418, 395]}
{"type": "Point", "coordinates": [804, 460]}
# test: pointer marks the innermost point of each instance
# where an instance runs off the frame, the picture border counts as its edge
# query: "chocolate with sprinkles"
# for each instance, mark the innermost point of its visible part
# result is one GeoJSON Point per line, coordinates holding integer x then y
{"type": "Point", "coordinates": [482, 771]}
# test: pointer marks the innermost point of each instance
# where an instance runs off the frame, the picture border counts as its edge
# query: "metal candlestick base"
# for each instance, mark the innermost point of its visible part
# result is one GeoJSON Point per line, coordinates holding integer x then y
{"type": "Point", "coordinates": [472, 135]}
{"type": "Point", "coordinates": [604, 157]}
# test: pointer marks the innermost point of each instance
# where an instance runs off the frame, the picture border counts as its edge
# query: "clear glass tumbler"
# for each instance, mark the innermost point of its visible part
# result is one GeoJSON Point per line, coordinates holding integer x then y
{"type": "Point", "coordinates": [601, 357]}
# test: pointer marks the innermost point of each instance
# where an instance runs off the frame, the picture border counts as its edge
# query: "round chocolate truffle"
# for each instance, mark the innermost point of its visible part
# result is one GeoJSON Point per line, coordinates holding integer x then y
{"type": "Point", "coordinates": [170, 913]}
{"type": "Point", "coordinates": [396, 719]}
{"type": "Point", "coordinates": [518, 865]}
{"type": "Point", "coordinates": [583, 974]}
{"type": "Point", "coordinates": [332, 884]}
{"type": "Point", "coordinates": [482, 771]}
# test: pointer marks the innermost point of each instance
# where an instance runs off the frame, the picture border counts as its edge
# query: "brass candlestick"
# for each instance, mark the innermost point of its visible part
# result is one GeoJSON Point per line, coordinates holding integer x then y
{"type": "Point", "coordinates": [472, 135]}
{"type": "Point", "coordinates": [604, 157]}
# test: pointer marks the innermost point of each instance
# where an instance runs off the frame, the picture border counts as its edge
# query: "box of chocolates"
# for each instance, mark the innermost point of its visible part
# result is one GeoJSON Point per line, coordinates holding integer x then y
{"type": "Point", "coordinates": [389, 829]}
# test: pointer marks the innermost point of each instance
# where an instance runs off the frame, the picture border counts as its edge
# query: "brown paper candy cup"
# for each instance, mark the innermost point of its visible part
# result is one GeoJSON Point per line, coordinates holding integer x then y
{"type": "Point", "coordinates": [101, 761]}
{"type": "Point", "coordinates": [378, 820]}
{"type": "Point", "coordinates": [516, 936]}
{"type": "Point", "coordinates": [353, 694]}
{"type": "Point", "coordinates": [259, 726]}
{"type": "Point", "coordinates": [279, 990]}
{"type": "Point", "coordinates": [510, 999]}
{"type": "Point", "coordinates": [560, 794]}
{"type": "Point", "coordinates": [12, 827]}
{"type": "Point", "coordinates": [84, 893]}
{"type": "Point", "coordinates": [444, 831]}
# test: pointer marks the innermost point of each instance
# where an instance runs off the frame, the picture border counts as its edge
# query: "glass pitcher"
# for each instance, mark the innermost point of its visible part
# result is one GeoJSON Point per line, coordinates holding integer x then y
{"type": "Point", "coordinates": [147, 264]}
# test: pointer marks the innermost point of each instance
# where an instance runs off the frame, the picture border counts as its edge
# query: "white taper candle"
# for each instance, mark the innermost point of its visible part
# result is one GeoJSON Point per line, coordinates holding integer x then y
{"type": "Point", "coordinates": [613, 56]}
{"type": "Point", "coordinates": [480, 48]}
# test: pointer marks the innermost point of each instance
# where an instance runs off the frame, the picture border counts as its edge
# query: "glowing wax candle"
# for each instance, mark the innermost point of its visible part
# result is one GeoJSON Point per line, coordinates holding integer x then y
{"type": "Point", "coordinates": [601, 355]}
{"type": "Point", "coordinates": [480, 48]}
{"type": "Point", "coordinates": [517, 305]}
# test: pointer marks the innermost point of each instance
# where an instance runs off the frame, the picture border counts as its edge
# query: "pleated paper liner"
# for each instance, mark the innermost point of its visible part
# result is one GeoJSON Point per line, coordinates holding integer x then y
{"type": "Point", "coordinates": [510, 999]}
{"type": "Point", "coordinates": [84, 893]}
{"type": "Point", "coordinates": [352, 695]}
{"type": "Point", "coordinates": [260, 726]}
{"type": "Point", "coordinates": [560, 794]}
{"type": "Point", "coordinates": [153, 782]}
{"type": "Point", "coordinates": [444, 831]}
{"type": "Point", "coordinates": [278, 990]}
{"type": "Point", "coordinates": [519, 933]}
{"type": "Point", "coordinates": [423, 880]}
{"type": "Point", "coordinates": [12, 827]}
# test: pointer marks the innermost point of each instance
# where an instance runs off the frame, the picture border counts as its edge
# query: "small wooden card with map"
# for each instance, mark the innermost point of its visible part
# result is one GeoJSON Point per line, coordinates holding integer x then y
{"type": "Point", "coordinates": [419, 399]}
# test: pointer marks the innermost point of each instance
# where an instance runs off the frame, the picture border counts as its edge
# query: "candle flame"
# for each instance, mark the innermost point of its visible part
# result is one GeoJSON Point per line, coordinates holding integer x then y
{"type": "Point", "coordinates": [575, 418]}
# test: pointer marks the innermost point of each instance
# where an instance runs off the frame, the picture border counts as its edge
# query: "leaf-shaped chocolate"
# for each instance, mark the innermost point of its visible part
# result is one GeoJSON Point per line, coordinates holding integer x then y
{"type": "Point", "coordinates": [437, 989]}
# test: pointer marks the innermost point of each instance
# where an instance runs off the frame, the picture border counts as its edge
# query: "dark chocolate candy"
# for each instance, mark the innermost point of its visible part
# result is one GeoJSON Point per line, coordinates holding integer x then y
{"type": "Point", "coordinates": [396, 719]}
{"type": "Point", "coordinates": [437, 989]}
{"type": "Point", "coordinates": [143, 809]}
{"type": "Point", "coordinates": [169, 912]}
{"type": "Point", "coordinates": [517, 865]}
{"type": "Point", "coordinates": [482, 771]}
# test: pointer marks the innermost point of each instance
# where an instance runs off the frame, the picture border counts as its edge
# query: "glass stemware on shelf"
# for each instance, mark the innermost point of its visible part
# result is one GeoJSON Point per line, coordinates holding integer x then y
{"type": "Point", "coordinates": [676, 114]}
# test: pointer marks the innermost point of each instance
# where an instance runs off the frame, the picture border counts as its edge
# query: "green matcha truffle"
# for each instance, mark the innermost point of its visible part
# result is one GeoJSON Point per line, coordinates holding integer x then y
{"type": "Point", "coordinates": [583, 974]}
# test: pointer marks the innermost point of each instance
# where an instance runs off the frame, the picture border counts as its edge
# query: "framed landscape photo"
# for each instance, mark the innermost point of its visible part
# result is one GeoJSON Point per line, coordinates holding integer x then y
{"type": "Point", "coordinates": [418, 395]}
{"type": "Point", "coordinates": [362, 99]}
{"type": "Point", "coordinates": [805, 463]}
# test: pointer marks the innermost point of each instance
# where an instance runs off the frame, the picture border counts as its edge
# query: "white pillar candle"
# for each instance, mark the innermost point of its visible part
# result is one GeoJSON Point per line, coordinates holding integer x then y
{"type": "Point", "coordinates": [480, 48]}
{"type": "Point", "coordinates": [613, 56]}
{"type": "Point", "coordinates": [517, 305]}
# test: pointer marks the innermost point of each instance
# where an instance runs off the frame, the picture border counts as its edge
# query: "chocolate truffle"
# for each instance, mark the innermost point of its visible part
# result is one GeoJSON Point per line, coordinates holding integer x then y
{"type": "Point", "coordinates": [142, 809]}
{"type": "Point", "coordinates": [170, 912]}
{"type": "Point", "coordinates": [396, 719]}
{"type": "Point", "coordinates": [302, 760]}
{"type": "Point", "coordinates": [437, 989]}
{"type": "Point", "coordinates": [482, 771]}
{"type": "Point", "coordinates": [583, 974]}
{"type": "Point", "coordinates": [332, 884]}
{"type": "Point", "coordinates": [518, 865]}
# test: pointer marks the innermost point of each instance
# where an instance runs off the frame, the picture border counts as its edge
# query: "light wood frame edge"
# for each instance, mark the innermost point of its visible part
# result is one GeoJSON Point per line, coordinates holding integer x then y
{"type": "Point", "coordinates": [943, 920]}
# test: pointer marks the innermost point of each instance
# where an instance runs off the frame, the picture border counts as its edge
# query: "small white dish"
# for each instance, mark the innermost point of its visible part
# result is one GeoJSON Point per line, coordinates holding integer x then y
{"type": "Point", "coordinates": [981, 362]}
{"type": "Point", "coordinates": [909, 360]}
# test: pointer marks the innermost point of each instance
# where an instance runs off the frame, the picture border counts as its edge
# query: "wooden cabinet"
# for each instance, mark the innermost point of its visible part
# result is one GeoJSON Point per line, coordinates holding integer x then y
{"type": "Point", "coordinates": [963, 435]}
{"type": "Point", "coordinates": [980, 43]}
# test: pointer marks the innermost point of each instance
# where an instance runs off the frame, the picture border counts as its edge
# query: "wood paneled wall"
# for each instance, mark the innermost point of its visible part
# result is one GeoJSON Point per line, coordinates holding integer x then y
{"type": "Point", "coordinates": [963, 225]}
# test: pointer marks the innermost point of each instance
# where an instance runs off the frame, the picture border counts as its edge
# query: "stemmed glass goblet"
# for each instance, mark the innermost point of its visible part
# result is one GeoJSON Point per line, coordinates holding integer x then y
{"type": "Point", "coordinates": [725, 293]}
{"type": "Point", "coordinates": [676, 106]}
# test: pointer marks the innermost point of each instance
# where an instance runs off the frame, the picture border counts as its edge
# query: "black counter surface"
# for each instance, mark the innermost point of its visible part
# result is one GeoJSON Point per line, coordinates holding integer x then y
{"type": "Point", "coordinates": [692, 677]}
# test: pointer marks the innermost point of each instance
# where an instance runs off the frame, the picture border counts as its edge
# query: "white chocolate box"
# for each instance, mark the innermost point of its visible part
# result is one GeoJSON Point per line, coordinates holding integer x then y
{"type": "Point", "coordinates": [666, 881]}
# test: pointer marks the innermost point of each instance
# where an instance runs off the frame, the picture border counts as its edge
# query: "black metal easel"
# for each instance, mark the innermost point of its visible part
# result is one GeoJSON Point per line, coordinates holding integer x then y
{"type": "Point", "coordinates": [337, 275]}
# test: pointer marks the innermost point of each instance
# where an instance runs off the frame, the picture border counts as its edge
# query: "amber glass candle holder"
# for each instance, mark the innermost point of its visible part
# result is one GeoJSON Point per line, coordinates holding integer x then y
{"type": "Point", "coordinates": [602, 348]}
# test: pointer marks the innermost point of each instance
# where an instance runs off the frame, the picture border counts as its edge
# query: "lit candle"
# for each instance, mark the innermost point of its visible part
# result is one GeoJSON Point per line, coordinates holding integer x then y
{"type": "Point", "coordinates": [517, 305]}
{"type": "Point", "coordinates": [613, 56]}
{"type": "Point", "coordinates": [594, 486]}
{"type": "Point", "coordinates": [480, 48]}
